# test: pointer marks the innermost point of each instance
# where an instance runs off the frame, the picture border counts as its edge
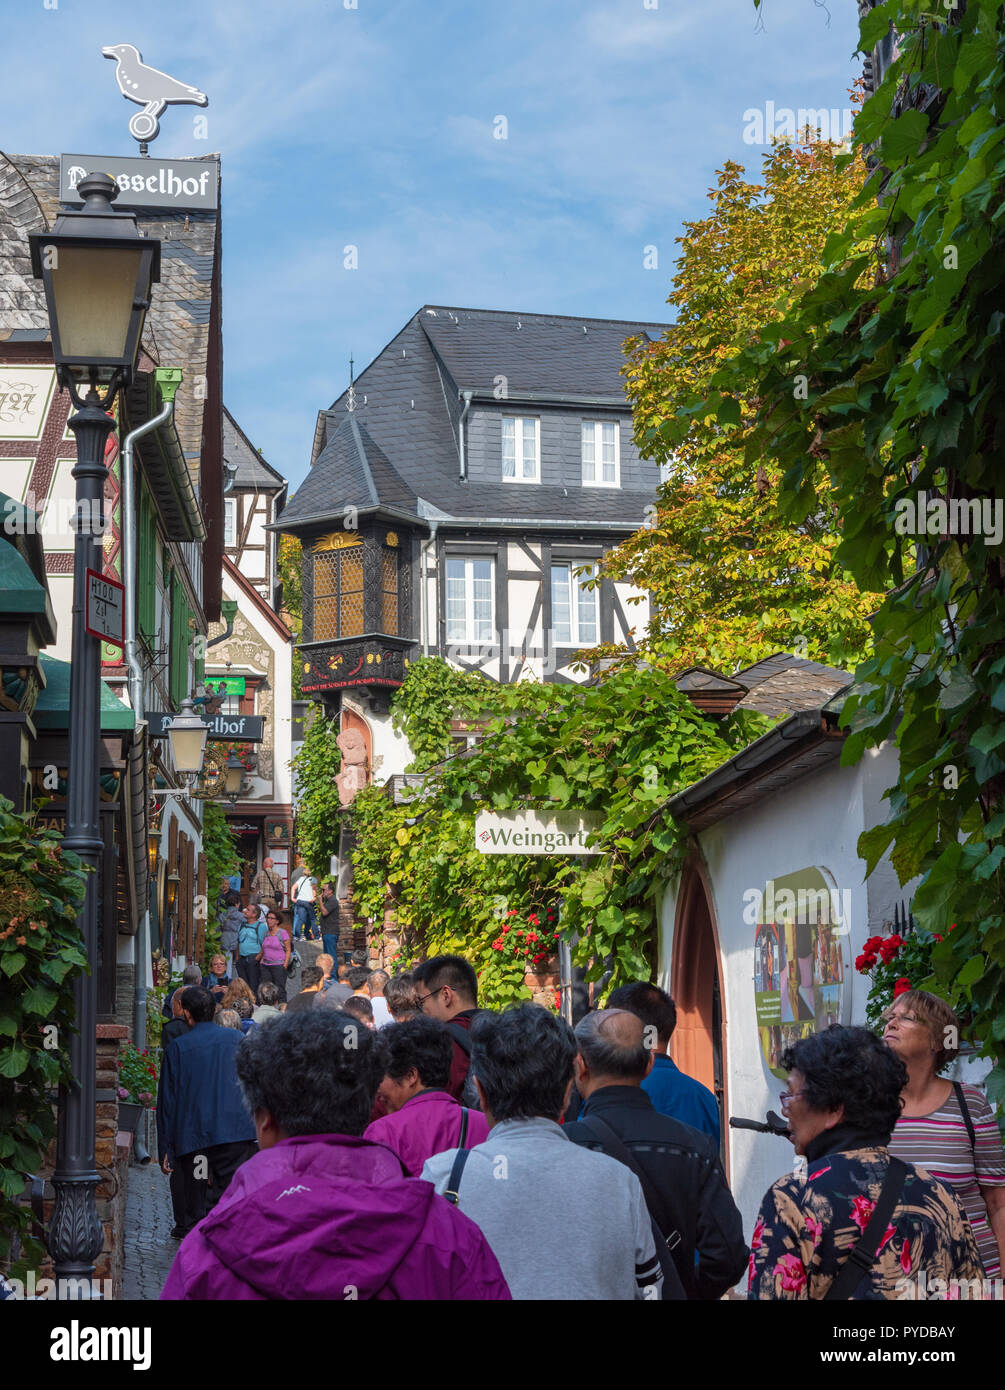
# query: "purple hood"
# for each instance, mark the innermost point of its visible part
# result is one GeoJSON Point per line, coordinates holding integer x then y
{"type": "Point", "coordinates": [332, 1217]}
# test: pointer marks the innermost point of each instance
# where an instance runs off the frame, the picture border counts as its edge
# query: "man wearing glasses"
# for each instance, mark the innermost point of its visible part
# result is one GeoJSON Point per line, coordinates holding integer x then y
{"type": "Point", "coordinates": [448, 990]}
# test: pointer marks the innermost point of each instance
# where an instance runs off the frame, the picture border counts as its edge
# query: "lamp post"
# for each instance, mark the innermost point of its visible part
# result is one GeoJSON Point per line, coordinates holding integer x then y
{"type": "Point", "coordinates": [97, 271]}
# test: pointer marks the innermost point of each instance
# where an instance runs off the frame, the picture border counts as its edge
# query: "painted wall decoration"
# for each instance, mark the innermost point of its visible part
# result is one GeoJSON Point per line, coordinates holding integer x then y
{"type": "Point", "coordinates": [800, 965]}
{"type": "Point", "coordinates": [25, 393]}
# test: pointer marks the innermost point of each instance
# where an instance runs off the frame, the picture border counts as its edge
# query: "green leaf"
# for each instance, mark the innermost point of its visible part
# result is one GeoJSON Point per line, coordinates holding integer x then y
{"type": "Point", "coordinates": [13, 1061]}
{"type": "Point", "coordinates": [12, 961]}
{"type": "Point", "coordinates": [902, 137]}
{"type": "Point", "coordinates": [39, 1000]}
{"type": "Point", "coordinates": [971, 972]}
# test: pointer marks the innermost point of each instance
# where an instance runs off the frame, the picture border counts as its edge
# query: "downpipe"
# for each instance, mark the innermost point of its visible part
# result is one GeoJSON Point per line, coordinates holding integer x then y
{"type": "Point", "coordinates": [135, 680]}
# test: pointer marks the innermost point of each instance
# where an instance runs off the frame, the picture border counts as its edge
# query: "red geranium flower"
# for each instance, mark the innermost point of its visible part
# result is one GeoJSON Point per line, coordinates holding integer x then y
{"type": "Point", "coordinates": [901, 986]}
{"type": "Point", "coordinates": [864, 962]}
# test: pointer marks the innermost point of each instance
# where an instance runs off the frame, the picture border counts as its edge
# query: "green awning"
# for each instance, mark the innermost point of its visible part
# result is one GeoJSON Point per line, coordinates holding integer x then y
{"type": "Point", "coordinates": [53, 708]}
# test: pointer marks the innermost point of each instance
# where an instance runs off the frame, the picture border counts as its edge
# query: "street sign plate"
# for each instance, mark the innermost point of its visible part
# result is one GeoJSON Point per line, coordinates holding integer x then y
{"type": "Point", "coordinates": [106, 609]}
{"type": "Point", "coordinates": [527, 832]}
{"type": "Point", "coordinates": [239, 728]}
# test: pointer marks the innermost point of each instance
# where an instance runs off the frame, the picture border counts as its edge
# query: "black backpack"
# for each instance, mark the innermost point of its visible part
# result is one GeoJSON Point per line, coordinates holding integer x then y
{"type": "Point", "coordinates": [469, 1095]}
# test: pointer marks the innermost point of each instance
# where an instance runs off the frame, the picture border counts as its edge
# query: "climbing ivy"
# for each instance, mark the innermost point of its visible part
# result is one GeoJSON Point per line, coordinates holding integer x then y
{"type": "Point", "coordinates": [220, 846]}
{"type": "Point", "coordinates": [41, 891]}
{"type": "Point", "coordinates": [318, 810]}
{"type": "Point", "coordinates": [433, 694]}
{"type": "Point", "coordinates": [619, 749]}
{"type": "Point", "coordinates": [887, 374]}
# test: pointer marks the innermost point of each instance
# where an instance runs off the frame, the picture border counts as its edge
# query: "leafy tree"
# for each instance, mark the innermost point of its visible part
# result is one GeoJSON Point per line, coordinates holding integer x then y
{"type": "Point", "coordinates": [318, 809]}
{"type": "Point", "coordinates": [731, 577]}
{"type": "Point", "coordinates": [900, 345]}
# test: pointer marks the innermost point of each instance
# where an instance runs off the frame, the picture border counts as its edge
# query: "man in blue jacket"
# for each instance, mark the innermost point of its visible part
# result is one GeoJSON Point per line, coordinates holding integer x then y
{"type": "Point", "coordinates": [671, 1091]}
{"type": "Point", "coordinates": [203, 1127]}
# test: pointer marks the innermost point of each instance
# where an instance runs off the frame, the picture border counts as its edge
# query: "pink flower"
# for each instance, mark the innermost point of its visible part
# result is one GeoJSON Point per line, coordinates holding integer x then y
{"type": "Point", "coordinates": [792, 1273]}
{"type": "Point", "coordinates": [888, 1234]}
{"type": "Point", "coordinates": [905, 1257]}
{"type": "Point", "coordinates": [755, 1239]}
{"type": "Point", "coordinates": [123, 1093]}
{"type": "Point", "coordinates": [861, 1210]}
{"type": "Point", "coordinates": [750, 1272]}
{"type": "Point", "coordinates": [814, 1228]}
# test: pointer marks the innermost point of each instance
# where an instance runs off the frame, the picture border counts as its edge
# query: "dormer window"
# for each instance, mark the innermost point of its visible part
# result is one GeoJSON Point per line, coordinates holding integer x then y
{"type": "Point", "coordinates": [601, 454]}
{"type": "Point", "coordinates": [521, 449]}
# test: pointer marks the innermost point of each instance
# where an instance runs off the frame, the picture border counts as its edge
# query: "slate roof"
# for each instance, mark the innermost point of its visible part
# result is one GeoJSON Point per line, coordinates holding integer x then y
{"type": "Point", "coordinates": [252, 470]}
{"type": "Point", "coordinates": [408, 400]}
{"type": "Point", "coordinates": [356, 471]}
{"type": "Point", "coordinates": [177, 330]}
{"type": "Point", "coordinates": [786, 692]}
{"type": "Point", "coordinates": [547, 353]}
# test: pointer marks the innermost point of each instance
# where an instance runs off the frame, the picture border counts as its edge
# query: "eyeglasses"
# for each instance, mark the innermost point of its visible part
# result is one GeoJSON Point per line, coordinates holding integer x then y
{"type": "Point", "coordinates": [787, 1096]}
{"type": "Point", "coordinates": [423, 997]}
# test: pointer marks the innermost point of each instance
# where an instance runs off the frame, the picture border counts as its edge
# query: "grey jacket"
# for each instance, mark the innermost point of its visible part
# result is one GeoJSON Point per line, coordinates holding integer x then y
{"type": "Point", "coordinates": [591, 1237]}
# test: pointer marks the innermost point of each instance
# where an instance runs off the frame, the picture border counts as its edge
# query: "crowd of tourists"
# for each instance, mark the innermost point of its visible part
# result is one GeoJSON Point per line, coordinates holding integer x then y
{"type": "Point", "coordinates": [376, 1137]}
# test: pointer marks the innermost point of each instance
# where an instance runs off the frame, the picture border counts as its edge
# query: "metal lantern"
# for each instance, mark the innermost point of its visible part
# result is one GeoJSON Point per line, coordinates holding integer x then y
{"type": "Point", "coordinates": [97, 272]}
{"type": "Point", "coordinates": [187, 734]}
{"type": "Point", "coordinates": [233, 778]}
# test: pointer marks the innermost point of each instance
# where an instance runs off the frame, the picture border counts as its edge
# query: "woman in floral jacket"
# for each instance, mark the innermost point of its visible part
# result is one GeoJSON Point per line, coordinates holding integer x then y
{"type": "Point", "coordinates": [842, 1103]}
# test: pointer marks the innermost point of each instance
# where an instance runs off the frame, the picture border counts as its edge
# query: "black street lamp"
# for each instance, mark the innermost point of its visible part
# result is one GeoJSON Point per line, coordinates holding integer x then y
{"type": "Point", "coordinates": [97, 271]}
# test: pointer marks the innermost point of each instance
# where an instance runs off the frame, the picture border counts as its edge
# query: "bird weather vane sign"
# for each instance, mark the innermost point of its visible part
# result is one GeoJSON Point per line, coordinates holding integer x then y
{"type": "Point", "coordinates": [150, 88]}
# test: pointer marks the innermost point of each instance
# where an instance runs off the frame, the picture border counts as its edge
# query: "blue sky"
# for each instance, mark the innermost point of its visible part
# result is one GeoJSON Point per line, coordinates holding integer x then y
{"type": "Point", "coordinates": [374, 127]}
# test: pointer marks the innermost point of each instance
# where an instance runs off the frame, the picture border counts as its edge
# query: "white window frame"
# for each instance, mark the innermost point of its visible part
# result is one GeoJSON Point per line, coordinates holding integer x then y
{"type": "Point", "coordinates": [469, 637]}
{"type": "Point", "coordinates": [575, 641]}
{"type": "Point", "coordinates": [597, 427]}
{"type": "Point", "coordinates": [230, 510]}
{"type": "Point", "coordinates": [519, 426]}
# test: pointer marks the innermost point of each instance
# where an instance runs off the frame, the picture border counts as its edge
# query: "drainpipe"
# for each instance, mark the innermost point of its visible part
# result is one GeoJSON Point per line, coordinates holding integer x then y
{"type": "Point", "coordinates": [168, 379]}
{"type": "Point", "coordinates": [433, 525]}
{"type": "Point", "coordinates": [466, 395]}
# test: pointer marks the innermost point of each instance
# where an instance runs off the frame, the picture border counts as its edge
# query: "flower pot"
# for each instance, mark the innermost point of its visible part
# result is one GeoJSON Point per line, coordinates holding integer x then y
{"type": "Point", "coordinates": [129, 1116]}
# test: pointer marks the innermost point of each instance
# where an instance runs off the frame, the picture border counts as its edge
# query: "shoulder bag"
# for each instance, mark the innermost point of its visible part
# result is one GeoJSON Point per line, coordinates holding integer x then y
{"type": "Point", "coordinates": [862, 1256]}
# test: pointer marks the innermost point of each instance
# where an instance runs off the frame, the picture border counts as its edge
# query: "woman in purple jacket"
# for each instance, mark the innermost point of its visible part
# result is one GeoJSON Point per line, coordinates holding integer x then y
{"type": "Point", "coordinates": [319, 1212]}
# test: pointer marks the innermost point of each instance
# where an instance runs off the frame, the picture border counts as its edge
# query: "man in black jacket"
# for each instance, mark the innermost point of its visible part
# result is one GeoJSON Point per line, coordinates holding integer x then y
{"type": "Point", "coordinates": [679, 1167]}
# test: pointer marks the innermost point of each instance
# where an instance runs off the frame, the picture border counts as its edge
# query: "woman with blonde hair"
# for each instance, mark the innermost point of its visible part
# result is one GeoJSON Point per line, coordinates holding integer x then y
{"type": "Point", "coordinates": [945, 1127]}
{"type": "Point", "coordinates": [237, 989]}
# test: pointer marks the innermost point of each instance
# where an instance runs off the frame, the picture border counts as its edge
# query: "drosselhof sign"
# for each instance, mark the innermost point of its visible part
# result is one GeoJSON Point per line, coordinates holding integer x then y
{"type": "Point", "coordinates": [243, 728]}
{"type": "Point", "coordinates": [526, 832]}
{"type": "Point", "coordinates": [145, 182]}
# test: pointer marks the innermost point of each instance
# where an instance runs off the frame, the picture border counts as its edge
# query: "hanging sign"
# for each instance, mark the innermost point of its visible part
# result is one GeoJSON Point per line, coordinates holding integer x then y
{"type": "Point", "coordinates": [527, 832]}
{"type": "Point", "coordinates": [106, 609]}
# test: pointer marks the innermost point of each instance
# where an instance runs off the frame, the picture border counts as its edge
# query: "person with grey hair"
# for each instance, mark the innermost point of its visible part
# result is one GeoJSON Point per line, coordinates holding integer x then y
{"type": "Point", "coordinates": [320, 1212]}
{"type": "Point", "coordinates": [693, 1213]}
{"type": "Point", "coordinates": [227, 1018]}
{"type": "Point", "coordinates": [376, 985]}
{"type": "Point", "coordinates": [591, 1237]}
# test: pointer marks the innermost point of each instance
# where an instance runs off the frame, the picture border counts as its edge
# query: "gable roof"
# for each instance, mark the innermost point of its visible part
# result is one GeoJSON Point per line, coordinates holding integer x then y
{"type": "Point", "coordinates": [782, 684]}
{"type": "Point", "coordinates": [252, 470]}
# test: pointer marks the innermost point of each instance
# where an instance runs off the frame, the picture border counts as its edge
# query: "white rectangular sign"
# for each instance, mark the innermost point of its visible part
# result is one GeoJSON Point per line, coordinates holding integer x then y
{"type": "Point", "coordinates": [527, 832]}
{"type": "Point", "coordinates": [106, 608]}
{"type": "Point", "coordinates": [25, 393]}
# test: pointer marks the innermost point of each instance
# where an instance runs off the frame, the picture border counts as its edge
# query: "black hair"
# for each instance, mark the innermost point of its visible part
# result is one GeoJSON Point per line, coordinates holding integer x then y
{"type": "Point", "coordinates": [649, 1003]}
{"type": "Point", "coordinates": [358, 1006]}
{"type": "Point", "coordinates": [232, 899]}
{"type": "Point", "coordinates": [523, 1060]}
{"type": "Point", "coordinates": [357, 976]}
{"type": "Point", "coordinates": [360, 956]}
{"type": "Point", "coordinates": [315, 1072]}
{"type": "Point", "coordinates": [424, 1044]}
{"type": "Point", "coordinates": [268, 993]}
{"type": "Point", "coordinates": [854, 1068]}
{"type": "Point", "coordinates": [454, 971]}
{"type": "Point", "coordinates": [242, 1007]}
{"type": "Point", "coordinates": [401, 995]}
{"type": "Point", "coordinates": [199, 1003]}
{"type": "Point", "coordinates": [311, 975]}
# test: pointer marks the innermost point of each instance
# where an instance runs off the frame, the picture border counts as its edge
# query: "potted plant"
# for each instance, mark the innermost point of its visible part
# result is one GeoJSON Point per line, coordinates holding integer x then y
{"type": "Point", "coordinates": [137, 1086]}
